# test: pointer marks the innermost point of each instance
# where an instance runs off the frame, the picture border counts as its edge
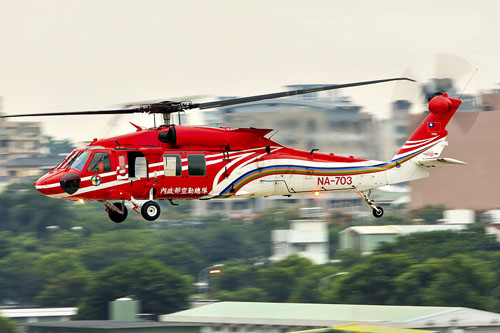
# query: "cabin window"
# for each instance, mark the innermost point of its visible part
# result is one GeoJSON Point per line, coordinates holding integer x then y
{"type": "Point", "coordinates": [137, 165]}
{"type": "Point", "coordinates": [100, 163]}
{"type": "Point", "coordinates": [141, 167]}
{"type": "Point", "coordinates": [197, 165]}
{"type": "Point", "coordinates": [172, 165]}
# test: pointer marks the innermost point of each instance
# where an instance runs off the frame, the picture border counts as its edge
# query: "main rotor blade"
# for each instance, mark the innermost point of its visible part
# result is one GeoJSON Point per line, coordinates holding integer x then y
{"type": "Point", "coordinates": [242, 100]}
{"type": "Point", "coordinates": [167, 107]}
{"type": "Point", "coordinates": [75, 113]}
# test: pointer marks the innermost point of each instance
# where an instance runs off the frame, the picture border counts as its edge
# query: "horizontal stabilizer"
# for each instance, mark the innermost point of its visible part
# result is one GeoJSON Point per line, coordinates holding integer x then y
{"type": "Point", "coordinates": [432, 162]}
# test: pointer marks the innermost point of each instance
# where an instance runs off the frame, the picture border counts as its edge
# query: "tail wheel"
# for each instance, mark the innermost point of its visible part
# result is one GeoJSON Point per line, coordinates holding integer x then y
{"type": "Point", "coordinates": [150, 210]}
{"type": "Point", "coordinates": [115, 216]}
{"type": "Point", "coordinates": [378, 212]}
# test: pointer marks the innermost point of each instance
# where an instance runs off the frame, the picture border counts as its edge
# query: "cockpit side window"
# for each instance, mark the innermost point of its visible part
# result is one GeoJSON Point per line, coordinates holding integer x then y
{"type": "Point", "coordinates": [79, 161]}
{"type": "Point", "coordinates": [100, 163]}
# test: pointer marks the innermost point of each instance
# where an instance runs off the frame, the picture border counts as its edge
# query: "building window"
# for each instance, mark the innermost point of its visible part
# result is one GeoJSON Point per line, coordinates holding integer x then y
{"type": "Point", "coordinates": [197, 165]}
{"type": "Point", "coordinates": [300, 247]}
{"type": "Point", "coordinates": [215, 205]}
{"type": "Point", "coordinates": [172, 164]}
{"type": "Point", "coordinates": [239, 205]}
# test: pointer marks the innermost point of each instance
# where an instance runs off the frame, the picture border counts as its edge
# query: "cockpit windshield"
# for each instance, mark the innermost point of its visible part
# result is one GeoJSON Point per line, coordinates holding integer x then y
{"type": "Point", "coordinates": [78, 162]}
{"type": "Point", "coordinates": [66, 160]}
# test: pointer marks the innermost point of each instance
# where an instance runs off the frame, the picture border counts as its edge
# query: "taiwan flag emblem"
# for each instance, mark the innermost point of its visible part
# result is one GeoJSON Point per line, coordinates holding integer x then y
{"type": "Point", "coordinates": [433, 126]}
{"type": "Point", "coordinates": [96, 180]}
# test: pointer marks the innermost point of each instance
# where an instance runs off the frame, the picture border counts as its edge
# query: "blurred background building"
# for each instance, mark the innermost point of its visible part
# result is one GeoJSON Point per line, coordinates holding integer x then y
{"type": "Point", "coordinates": [473, 138]}
{"type": "Point", "coordinates": [307, 237]}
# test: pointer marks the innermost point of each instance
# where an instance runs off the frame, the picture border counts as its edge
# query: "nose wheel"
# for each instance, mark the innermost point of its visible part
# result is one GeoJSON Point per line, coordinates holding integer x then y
{"type": "Point", "coordinates": [378, 212]}
{"type": "Point", "coordinates": [117, 211]}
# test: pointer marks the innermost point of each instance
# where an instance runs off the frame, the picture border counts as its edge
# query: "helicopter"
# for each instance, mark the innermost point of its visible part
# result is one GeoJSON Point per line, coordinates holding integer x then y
{"type": "Point", "coordinates": [172, 162]}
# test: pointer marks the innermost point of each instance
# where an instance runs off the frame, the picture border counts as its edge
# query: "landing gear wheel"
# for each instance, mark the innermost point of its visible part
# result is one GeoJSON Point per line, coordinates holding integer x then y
{"type": "Point", "coordinates": [117, 217]}
{"type": "Point", "coordinates": [378, 212]}
{"type": "Point", "coordinates": [150, 210]}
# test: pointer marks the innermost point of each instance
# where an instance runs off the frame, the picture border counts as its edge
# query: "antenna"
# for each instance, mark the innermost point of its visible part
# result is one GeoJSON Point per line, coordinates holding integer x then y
{"type": "Point", "coordinates": [467, 83]}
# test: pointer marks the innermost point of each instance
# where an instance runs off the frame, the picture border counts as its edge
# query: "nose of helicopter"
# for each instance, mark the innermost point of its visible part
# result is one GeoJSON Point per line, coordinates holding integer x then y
{"type": "Point", "coordinates": [53, 182]}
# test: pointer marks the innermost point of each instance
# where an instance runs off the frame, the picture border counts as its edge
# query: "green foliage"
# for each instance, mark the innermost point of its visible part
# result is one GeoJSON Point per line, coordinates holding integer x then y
{"type": "Point", "coordinates": [107, 249]}
{"type": "Point", "coordinates": [440, 244]}
{"type": "Point", "coordinates": [373, 280]}
{"type": "Point", "coordinates": [20, 278]}
{"type": "Point", "coordinates": [348, 258]}
{"type": "Point", "coordinates": [454, 281]}
{"type": "Point", "coordinates": [25, 210]}
{"type": "Point", "coordinates": [333, 239]}
{"type": "Point", "coordinates": [307, 286]}
{"type": "Point", "coordinates": [8, 326]}
{"type": "Point", "coordinates": [279, 280]}
{"type": "Point", "coordinates": [243, 295]}
{"type": "Point", "coordinates": [160, 289]}
{"type": "Point", "coordinates": [181, 256]}
{"type": "Point", "coordinates": [235, 278]}
{"type": "Point", "coordinates": [65, 289]}
{"type": "Point", "coordinates": [429, 214]}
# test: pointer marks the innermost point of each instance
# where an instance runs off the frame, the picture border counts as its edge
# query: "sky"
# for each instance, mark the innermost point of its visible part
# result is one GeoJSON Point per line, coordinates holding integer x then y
{"type": "Point", "coordinates": [59, 55]}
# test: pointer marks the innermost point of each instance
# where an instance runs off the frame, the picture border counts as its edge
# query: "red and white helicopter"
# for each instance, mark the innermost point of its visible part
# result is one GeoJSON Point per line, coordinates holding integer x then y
{"type": "Point", "coordinates": [187, 162]}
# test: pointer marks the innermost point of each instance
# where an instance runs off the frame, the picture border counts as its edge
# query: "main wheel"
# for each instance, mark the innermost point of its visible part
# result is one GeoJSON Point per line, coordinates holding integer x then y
{"type": "Point", "coordinates": [150, 210]}
{"type": "Point", "coordinates": [117, 217]}
{"type": "Point", "coordinates": [378, 212]}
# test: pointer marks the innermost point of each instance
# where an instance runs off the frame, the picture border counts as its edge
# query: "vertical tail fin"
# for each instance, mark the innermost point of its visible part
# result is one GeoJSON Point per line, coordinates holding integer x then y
{"type": "Point", "coordinates": [432, 130]}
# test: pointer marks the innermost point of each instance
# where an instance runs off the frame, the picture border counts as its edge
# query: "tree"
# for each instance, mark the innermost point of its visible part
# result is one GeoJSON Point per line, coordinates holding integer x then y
{"type": "Point", "coordinates": [348, 258]}
{"type": "Point", "coordinates": [65, 289]}
{"type": "Point", "coordinates": [112, 247]}
{"type": "Point", "coordinates": [372, 281]}
{"type": "Point", "coordinates": [19, 277]}
{"type": "Point", "coordinates": [180, 256]}
{"type": "Point", "coordinates": [160, 290]}
{"type": "Point", "coordinates": [429, 214]}
{"type": "Point", "coordinates": [235, 278]}
{"type": "Point", "coordinates": [333, 239]}
{"type": "Point", "coordinates": [243, 295]}
{"type": "Point", "coordinates": [8, 326]}
{"type": "Point", "coordinates": [439, 244]}
{"type": "Point", "coordinates": [24, 209]}
{"type": "Point", "coordinates": [307, 286]}
{"type": "Point", "coordinates": [64, 278]}
{"type": "Point", "coordinates": [279, 280]}
{"type": "Point", "coordinates": [454, 281]}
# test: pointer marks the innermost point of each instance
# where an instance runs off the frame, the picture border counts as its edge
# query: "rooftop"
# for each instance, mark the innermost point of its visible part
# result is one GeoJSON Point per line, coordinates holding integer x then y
{"type": "Point", "coordinates": [331, 314]}
{"type": "Point", "coordinates": [38, 312]}
{"type": "Point", "coordinates": [103, 324]}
